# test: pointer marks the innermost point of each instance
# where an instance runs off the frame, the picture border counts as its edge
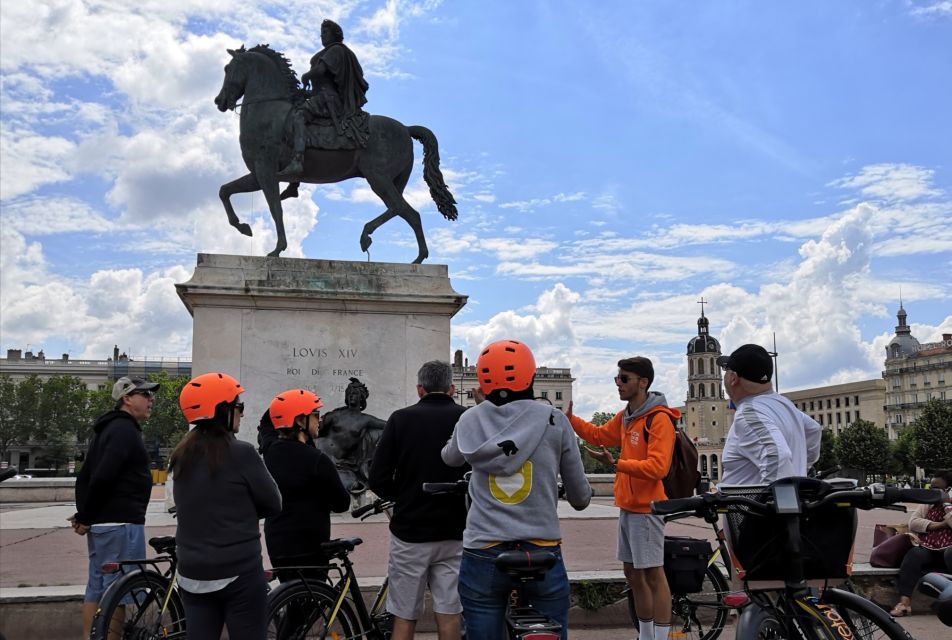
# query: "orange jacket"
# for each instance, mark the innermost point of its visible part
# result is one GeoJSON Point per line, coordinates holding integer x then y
{"type": "Point", "coordinates": [641, 467]}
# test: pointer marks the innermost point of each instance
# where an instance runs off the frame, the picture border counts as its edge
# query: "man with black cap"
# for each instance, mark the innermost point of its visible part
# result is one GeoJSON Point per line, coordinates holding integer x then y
{"type": "Point", "coordinates": [113, 488]}
{"type": "Point", "coordinates": [770, 438]}
{"type": "Point", "coordinates": [645, 431]}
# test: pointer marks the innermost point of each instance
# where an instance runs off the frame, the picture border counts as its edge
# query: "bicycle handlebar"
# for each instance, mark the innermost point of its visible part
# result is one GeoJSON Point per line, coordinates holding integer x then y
{"type": "Point", "coordinates": [864, 498]}
{"type": "Point", "coordinates": [8, 473]}
{"type": "Point", "coordinates": [377, 506]}
{"type": "Point", "coordinates": [458, 487]}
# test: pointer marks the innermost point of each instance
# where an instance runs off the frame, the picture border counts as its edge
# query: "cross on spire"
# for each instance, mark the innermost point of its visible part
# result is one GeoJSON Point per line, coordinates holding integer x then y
{"type": "Point", "coordinates": [702, 302]}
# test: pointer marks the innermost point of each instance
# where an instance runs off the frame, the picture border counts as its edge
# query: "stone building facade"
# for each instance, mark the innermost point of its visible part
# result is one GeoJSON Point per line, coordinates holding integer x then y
{"type": "Point", "coordinates": [552, 384]}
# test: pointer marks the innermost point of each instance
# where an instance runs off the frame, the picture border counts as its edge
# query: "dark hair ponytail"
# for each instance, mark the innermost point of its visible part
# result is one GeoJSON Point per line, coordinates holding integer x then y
{"type": "Point", "coordinates": [208, 442]}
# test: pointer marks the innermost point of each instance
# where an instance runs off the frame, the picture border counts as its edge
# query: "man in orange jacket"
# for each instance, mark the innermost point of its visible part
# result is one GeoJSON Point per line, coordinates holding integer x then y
{"type": "Point", "coordinates": [644, 461]}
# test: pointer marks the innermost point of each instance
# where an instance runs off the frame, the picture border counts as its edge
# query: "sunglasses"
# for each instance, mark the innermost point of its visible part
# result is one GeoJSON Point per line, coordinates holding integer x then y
{"type": "Point", "coordinates": [241, 407]}
{"type": "Point", "coordinates": [624, 378]}
{"type": "Point", "coordinates": [147, 394]}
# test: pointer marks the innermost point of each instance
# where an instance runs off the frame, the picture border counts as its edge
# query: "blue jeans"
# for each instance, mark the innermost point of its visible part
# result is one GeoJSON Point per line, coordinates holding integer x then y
{"type": "Point", "coordinates": [484, 591]}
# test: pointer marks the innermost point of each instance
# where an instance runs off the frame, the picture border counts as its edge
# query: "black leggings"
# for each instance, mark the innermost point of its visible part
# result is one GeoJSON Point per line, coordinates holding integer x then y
{"type": "Point", "coordinates": [241, 606]}
{"type": "Point", "coordinates": [919, 561]}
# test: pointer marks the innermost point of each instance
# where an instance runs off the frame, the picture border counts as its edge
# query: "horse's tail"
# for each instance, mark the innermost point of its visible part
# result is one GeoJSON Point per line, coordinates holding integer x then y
{"type": "Point", "coordinates": [431, 172]}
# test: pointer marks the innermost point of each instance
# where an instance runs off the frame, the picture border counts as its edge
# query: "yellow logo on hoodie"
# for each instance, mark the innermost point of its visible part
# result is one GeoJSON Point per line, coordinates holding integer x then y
{"type": "Point", "coordinates": [512, 489]}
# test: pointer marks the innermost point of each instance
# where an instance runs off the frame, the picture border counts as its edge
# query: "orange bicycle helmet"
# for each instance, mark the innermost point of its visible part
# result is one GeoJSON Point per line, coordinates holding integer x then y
{"type": "Point", "coordinates": [203, 393]}
{"type": "Point", "coordinates": [290, 404]}
{"type": "Point", "coordinates": [505, 364]}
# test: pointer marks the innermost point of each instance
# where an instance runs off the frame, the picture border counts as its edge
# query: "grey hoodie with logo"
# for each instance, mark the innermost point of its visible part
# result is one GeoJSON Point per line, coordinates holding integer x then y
{"type": "Point", "coordinates": [517, 452]}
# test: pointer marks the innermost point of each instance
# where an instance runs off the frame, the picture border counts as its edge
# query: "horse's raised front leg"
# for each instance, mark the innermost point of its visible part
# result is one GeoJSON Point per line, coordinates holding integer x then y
{"type": "Point", "coordinates": [244, 184]}
{"type": "Point", "coordinates": [268, 180]}
{"type": "Point", "coordinates": [373, 225]}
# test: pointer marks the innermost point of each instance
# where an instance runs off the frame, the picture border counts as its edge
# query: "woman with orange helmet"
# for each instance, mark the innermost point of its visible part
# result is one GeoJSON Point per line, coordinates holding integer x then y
{"type": "Point", "coordinates": [222, 489]}
{"type": "Point", "coordinates": [309, 484]}
{"type": "Point", "coordinates": [517, 448]}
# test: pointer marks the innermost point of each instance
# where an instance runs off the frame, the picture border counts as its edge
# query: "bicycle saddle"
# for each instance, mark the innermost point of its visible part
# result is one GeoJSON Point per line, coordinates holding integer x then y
{"type": "Point", "coordinates": [527, 565]}
{"type": "Point", "coordinates": [346, 545]}
{"type": "Point", "coordinates": [162, 544]}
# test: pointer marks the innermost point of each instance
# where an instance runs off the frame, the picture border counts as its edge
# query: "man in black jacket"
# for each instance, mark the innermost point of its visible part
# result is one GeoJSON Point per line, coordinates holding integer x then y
{"type": "Point", "coordinates": [426, 530]}
{"type": "Point", "coordinates": [113, 488]}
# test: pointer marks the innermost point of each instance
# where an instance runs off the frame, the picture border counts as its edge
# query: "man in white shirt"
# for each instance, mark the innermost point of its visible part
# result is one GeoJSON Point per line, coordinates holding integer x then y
{"type": "Point", "coordinates": [770, 438]}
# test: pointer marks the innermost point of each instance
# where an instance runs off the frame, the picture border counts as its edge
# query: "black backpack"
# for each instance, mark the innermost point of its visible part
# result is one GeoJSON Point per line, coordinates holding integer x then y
{"type": "Point", "coordinates": [683, 477]}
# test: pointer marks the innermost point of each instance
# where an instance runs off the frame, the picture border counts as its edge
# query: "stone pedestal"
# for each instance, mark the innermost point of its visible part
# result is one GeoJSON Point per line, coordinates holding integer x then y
{"type": "Point", "coordinates": [283, 323]}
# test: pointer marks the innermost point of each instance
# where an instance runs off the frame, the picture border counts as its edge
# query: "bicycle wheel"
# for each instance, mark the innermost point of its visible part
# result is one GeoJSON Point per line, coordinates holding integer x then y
{"type": "Point", "coordinates": [299, 609]}
{"type": "Point", "coordinates": [137, 608]}
{"type": "Point", "coordinates": [695, 616]}
{"type": "Point", "coordinates": [865, 619]}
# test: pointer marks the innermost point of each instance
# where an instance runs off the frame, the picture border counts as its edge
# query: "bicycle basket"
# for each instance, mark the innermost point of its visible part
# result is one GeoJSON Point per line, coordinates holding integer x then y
{"type": "Point", "coordinates": [685, 560]}
{"type": "Point", "coordinates": [759, 543]}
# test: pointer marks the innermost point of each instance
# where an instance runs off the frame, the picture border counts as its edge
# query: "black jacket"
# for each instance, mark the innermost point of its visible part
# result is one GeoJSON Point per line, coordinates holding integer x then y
{"type": "Point", "coordinates": [408, 455]}
{"type": "Point", "coordinates": [115, 483]}
{"type": "Point", "coordinates": [310, 491]}
{"type": "Point", "coordinates": [218, 535]}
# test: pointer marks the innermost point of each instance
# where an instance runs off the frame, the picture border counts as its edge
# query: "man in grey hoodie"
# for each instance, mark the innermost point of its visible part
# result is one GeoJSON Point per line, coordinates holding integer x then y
{"type": "Point", "coordinates": [518, 448]}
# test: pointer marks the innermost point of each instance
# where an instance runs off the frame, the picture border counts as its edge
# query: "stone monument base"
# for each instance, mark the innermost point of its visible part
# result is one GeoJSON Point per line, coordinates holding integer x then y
{"type": "Point", "coordinates": [283, 323]}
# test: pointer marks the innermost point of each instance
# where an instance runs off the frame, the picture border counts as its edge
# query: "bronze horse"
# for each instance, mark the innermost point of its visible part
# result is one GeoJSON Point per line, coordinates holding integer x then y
{"type": "Point", "coordinates": [264, 78]}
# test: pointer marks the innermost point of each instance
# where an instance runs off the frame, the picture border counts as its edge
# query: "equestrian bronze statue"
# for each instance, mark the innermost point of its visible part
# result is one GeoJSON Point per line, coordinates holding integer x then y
{"type": "Point", "coordinates": [322, 136]}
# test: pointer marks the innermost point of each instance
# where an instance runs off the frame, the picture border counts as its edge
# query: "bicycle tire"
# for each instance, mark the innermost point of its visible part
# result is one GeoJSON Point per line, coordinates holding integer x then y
{"type": "Point", "coordinates": [298, 609]}
{"type": "Point", "coordinates": [144, 618]}
{"type": "Point", "coordinates": [696, 616]}
{"type": "Point", "coordinates": [865, 619]}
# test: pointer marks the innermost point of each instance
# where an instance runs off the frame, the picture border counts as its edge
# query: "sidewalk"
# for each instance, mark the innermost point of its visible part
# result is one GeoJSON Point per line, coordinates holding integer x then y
{"type": "Point", "coordinates": [41, 558]}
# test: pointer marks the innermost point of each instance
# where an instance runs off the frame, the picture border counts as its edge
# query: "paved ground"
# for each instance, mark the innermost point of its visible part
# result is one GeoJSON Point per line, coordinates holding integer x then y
{"type": "Point", "coordinates": [38, 549]}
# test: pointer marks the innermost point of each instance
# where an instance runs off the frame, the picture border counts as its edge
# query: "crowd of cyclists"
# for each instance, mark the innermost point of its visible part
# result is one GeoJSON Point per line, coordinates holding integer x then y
{"type": "Point", "coordinates": [520, 452]}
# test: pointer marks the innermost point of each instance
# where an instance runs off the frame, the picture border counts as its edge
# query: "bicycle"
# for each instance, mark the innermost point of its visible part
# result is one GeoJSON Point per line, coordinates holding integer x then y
{"type": "Point", "coordinates": [143, 604]}
{"type": "Point", "coordinates": [700, 598]}
{"type": "Point", "coordinates": [523, 621]}
{"type": "Point", "coordinates": [305, 607]}
{"type": "Point", "coordinates": [794, 531]}
{"type": "Point", "coordinates": [939, 586]}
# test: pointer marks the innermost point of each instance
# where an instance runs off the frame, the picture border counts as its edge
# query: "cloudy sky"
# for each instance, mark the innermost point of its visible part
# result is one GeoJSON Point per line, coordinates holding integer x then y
{"type": "Point", "coordinates": [613, 163]}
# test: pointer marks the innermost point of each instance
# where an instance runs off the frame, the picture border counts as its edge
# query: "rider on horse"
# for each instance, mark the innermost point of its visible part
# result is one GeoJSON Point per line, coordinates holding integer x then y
{"type": "Point", "coordinates": [338, 93]}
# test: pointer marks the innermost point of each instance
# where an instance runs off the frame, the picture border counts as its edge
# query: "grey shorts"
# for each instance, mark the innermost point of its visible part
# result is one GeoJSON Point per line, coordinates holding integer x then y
{"type": "Point", "coordinates": [414, 566]}
{"type": "Point", "coordinates": [641, 539]}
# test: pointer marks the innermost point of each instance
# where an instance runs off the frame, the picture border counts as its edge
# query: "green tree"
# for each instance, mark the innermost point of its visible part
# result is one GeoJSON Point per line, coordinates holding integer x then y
{"type": "Point", "coordinates": [865, 447]}
{"type": "Point", "coordinates": [903, 462]}
{"type": "Point", "coordinates": [932, 435]}
{"type": "Point", "coordinates": [591, 464]}
{"type": "Point", "coordinates": [828, 459]}
{"type": "Point", "coordinates": [62, 417]}
{"type": "Point", "coordinates": [12, 429]}
{"type": "Point", "coordinates": [166, 426]}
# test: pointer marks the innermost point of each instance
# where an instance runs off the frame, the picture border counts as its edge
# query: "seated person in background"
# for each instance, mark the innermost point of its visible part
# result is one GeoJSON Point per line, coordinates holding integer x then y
{"type": "Point", "coordinates": [933, 523]}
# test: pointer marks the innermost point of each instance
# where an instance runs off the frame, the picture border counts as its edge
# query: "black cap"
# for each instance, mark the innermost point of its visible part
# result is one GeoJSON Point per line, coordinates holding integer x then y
{"type": "Point", "coordinates": [749, 361]}
{"type": "Point", "coordinates": [639, 366]}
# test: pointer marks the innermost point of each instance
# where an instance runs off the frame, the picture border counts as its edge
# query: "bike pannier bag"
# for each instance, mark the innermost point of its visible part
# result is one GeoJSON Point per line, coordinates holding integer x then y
{"type": "Point", "coordinates": [683, 477]}
{"type": "Point", "coordinates": [685, 560]}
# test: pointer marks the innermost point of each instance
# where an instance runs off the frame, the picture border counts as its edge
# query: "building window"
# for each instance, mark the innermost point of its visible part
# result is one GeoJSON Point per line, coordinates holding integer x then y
{"type": "Point", "coordinates": [847, 400]}
{"type": "Point", "coordinates": [713, 408]}
{"type": "Point", "coordinates": [691, 391]}
{"type": "Point", "coordinates": [704, 465]}
{"type": "Point", "coordinates": [690, 367]}
{"type": "Point", "coordinates": [837, 403]}
{"type": "Point", "coordinates": [545, 394]}
{"type": "Point", "coordinates": [713, 423]}
{"type": "Point", "coordinates": [558, 395]}
{"type": "Point", "coordinates": [469, 393]}
{"type": "Point", "coordinates": [714, 469]}
{"type": "Point", "coordinates": [820, 419]}
{"type": "Point", "coordinates": [829, 418]}
{"type": "Point", "coordinates": [700, 367]}
{"type": "Point", "coordinates": [942, 395]}
{"type": "Point", "coordinates": [857, 415]}
{"type": "Point", "coordinates": [700, 390]}
{"type": "Point", "coordinates": [828, 404]}
{"type": "Point", "coordinates": [839, 417]}
{"type": "Point", "coordinates": [811, 405]}
{"type": "Point", "coordinates": [713, 392]}
{"type": "Point", "coordinates": [856, 400]}
{"type": "Point", "coordinates": [847, 417]}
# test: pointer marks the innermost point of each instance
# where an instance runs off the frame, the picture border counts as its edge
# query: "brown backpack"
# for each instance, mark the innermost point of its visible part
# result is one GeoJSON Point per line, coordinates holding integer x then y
{"type": "Point", "coordinates": [683, 477]}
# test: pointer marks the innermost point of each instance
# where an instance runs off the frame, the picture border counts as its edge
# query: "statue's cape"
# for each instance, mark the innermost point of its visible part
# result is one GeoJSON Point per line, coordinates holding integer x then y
{"type": "Point", "coordinates": [348, 75]}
